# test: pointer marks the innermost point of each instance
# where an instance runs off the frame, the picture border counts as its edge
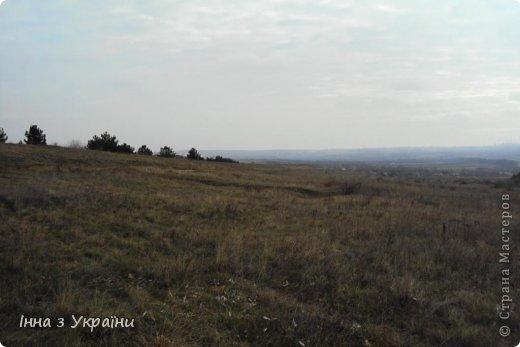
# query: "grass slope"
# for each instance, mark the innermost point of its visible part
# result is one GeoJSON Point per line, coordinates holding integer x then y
{"type": "Point", "coordinates": [208, 254]}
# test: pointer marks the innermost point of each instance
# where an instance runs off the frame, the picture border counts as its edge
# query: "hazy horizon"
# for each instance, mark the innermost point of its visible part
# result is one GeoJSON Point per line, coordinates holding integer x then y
{"type": "Point", "coordinates": [274, 75]}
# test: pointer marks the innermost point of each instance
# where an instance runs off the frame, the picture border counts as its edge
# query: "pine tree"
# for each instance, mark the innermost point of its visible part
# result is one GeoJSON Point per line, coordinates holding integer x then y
{"type": "Point", "coordinates": [125, 148]}
{"type": "Point", "coordinates": [3, 136]}
{"type": "Point", "coordinates": [104, 142]}
{"type": "Point", "coordinates": [166, 152]}
{"type": "Point", "coordinates": [144, 150]}
{"type": "Point", "coordinates": [194, 155]}
{"type": "Point", "coordinates": [35, 136]}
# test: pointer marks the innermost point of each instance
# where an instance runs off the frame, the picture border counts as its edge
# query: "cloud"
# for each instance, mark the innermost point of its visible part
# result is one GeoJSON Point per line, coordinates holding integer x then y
{"type": "Point", "coordinates": [191, 26]}
{"type": "Point", "coordinates": [326, 71]}
{"type": "Point", "coordinates": [389, 9]}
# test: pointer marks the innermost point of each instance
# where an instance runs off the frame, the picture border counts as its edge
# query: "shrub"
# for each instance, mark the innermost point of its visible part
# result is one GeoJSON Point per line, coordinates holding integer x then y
{"type": "Point", "coordinates": [3, 136]}
{"type": "Point", "coordinates": [194, 155]}
{"type": "Point", "coordinates": [104, 142]}
{"type": "Point", "coordinates": [221, 159]}
{"type": "Point", "coordinates": [107, 142]}
{"type": "Point", "coordinates": [166, 152]}
{"type": "Point", "coordinates": [144, 150]}
{"type": "Point", "coordinates": [35, 136]}
{"type": "Point", "coordinates": [125, 148]}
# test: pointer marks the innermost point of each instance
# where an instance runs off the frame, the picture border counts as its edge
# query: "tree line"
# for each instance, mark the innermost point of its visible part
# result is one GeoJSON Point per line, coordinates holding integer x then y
{"type": "Point", "coordinates": [106, 142]}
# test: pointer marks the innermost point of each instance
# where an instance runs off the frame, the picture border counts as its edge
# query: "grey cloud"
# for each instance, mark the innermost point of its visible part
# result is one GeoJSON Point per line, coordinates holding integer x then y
{"type": "Point", "coordinates": [219, 74]}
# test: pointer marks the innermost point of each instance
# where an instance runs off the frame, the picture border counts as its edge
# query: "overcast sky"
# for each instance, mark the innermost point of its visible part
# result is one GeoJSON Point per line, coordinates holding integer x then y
{"type": "Point", "coordinates": [263, 74]}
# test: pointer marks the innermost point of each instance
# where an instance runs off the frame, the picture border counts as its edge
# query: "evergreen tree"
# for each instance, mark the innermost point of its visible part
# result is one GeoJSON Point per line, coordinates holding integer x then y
{"type": "Point", "coordinates": [104, 142]}
{"type": "Point", "coordinates": [166, 152]}
{"type": "Point", "coordinates": [125, 148]}
{"type": "Point", "coordinates": [3, 136]}
{"type": "Point", "coordinates": [35, 136]}
{"type": "Point", "coordinates": [144, 150]}
{"type": "Point", "coordinates": [194, 155]}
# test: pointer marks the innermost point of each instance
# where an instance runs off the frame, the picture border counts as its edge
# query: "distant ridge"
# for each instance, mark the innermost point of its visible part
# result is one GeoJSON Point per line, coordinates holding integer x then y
{"type": "Point", "coordinates": [504, 153]}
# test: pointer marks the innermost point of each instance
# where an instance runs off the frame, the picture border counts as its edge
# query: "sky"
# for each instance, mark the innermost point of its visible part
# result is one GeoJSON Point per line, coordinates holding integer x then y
{"type": "Point", "coordinates": [270, 74]}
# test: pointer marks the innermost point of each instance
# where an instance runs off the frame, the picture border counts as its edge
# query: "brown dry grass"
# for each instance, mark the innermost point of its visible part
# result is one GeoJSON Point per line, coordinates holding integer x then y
{"type": "Point", "coordinates": [209, 254]}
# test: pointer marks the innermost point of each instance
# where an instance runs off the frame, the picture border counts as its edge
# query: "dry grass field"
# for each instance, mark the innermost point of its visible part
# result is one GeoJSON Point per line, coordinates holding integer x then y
{"type": "Point", "coordinates": [213, 254]}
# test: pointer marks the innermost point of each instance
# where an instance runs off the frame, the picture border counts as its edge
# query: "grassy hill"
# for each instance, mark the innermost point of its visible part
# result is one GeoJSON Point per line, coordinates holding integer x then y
{"type": "Point", "coordinates": [209, 254]}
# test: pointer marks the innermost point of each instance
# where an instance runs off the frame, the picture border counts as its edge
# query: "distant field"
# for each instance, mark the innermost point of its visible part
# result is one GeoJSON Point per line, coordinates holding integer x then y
{"type": "Point", "coordinates": [213, 254]}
